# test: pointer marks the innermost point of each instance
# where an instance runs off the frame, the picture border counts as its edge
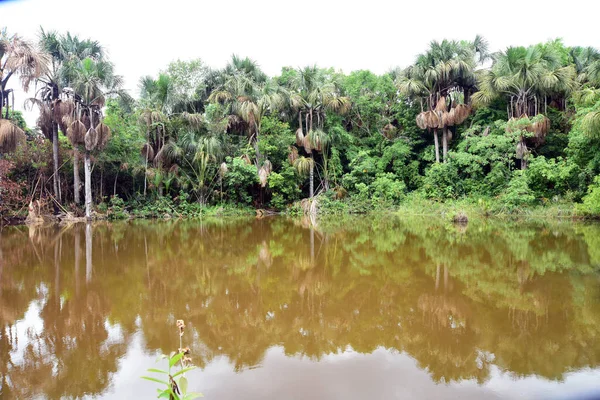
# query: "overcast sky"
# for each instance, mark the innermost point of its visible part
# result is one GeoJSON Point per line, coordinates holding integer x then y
{"type": "Point", "coordinates": [142, 37]}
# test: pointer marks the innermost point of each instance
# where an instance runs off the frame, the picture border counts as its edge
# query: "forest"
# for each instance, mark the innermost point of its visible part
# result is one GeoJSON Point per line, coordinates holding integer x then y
{"type": "Point", "coordinates": [505, 131]}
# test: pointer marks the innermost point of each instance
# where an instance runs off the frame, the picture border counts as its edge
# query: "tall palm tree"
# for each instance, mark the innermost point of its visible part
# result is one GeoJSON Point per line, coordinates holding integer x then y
{"type": "Point", "coordinates": [527, 77]}
{"type": "Point", "coordinates": [66, 52]}
{"type": "Point", "coordinates": [249, 96]}
{"type": "Point", "coordinates": [156, 106]}
{"type": "Point", "coordinates": [197, 152]}
{"type": "Point", "coordinates": [93, 82]}
{"type": "Point", "coordinates": [21, 58]}
{"type": "Point", "coordinates": [443, 79]}
{"type": "Point", "coordinates": [587, 64]}
{"type": "Point", "coordinates": [312, 95]}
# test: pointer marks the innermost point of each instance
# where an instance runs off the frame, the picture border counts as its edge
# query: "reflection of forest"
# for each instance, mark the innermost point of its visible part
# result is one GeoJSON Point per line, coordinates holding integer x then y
{"type": "Point", "coordinates": [523, 297]}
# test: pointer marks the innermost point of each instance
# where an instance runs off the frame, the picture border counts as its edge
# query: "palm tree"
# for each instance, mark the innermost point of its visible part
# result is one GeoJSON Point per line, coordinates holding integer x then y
{"type": "Point", "coordinates": [250, 96]}
{"type": "Point", "coordinates": [156, 102]}
{"type": "Point", "coordinates": [66, 53]}
{"type": "Point", "coordinates": [527, 78]}
{"type": "Point", "coordinates": [93, 82]}
{"type": "Point", "coordinates": [587, 64]}
{"type": "Point", "coordinates": [10, 136]}
{"type": "Point", "coordinates": [313, 94]}
{"type": "Point", "coordinates": [197, 152]}
{"type": "Point", "coordinates": [18, 57]}
{"type": "Point", "coordinates": [443, 78]}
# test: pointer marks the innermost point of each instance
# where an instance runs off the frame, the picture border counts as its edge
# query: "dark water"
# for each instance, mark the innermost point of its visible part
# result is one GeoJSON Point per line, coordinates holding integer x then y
{"type": "Point", "coordinates": [278, 309]}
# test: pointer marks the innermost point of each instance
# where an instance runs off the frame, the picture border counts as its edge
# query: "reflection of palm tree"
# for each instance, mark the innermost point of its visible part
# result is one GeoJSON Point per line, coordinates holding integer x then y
{"type": "Point", "coordinates": [365, 289]}
{"type": "Point", "coordinates": [88, 252]}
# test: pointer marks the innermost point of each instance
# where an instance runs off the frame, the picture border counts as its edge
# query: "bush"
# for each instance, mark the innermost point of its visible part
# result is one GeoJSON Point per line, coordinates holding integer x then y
{"type": "Point", "coordinates": [329, 205]}
{"type": "Point", "coordinates": [363, 169]}
{"type": "Point", "coordinates": [591, 201]}
{"type": "Point", "coordinates": [117, 209]}
{"type": "Point", "coordinates": [551, 177]}
{"type": "Point", "coordinates": [387, 189]}
{"type": "Point", "coordinates": [518, 193]}
{"type": "Point", "coordinates": [284, 188]}
{"type": "Point", "coordinates": [441, 182]}
{"type": "Point", "coordinates": [239, 181]}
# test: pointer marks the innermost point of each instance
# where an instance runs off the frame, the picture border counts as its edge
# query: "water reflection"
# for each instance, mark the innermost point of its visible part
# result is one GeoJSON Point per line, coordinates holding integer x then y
{"type": "Point", "coordinates": [465, 303]}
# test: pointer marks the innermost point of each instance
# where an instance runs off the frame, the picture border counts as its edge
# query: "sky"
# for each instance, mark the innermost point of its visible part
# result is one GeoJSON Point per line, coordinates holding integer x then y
{"type": "Point", "coordinates": [142, 37]}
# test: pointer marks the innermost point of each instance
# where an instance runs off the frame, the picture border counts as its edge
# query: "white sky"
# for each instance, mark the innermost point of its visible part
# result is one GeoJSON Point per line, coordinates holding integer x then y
{"type": "Point", "coordinates": [142, 37]}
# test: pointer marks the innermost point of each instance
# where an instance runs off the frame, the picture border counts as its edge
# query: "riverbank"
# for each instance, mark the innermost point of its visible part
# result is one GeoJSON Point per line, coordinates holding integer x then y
{"type": "Point", "coordinates": [460, 210]}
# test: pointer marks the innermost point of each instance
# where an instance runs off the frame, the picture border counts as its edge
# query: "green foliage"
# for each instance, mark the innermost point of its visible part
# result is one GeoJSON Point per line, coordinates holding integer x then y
{"type": "Point", "coordinates": [441, 182]}
{"type": "Point", "coordinates": [275, 141]}
{"type": "Point", "coordinates": [590, 205]}
{"type": "Point", "coordinates": [239, 181]}
{"type": "Point", "coordinates": [553, 177]}
{"type": "Point", "coordinates": [365, 139]}
{"type": "Point", "coordinates": [284, 188]}
{"type": "Point", "coordinates": [117, 209]}
{"type": "Point", "coordinates": [174, 383]}
{"type": "Point", "coordinates": [387, 189]}
{"type": "Point", "coordinates": [363, 169]}
{"type": "Point", "coordinates": [373, 97]}
{"type": "Point", "coordinates": [518, 193]}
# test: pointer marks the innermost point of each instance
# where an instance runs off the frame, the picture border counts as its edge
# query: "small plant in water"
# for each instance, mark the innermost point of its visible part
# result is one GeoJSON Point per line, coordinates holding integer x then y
{"type": "Point", "coordinates": [175, 384]}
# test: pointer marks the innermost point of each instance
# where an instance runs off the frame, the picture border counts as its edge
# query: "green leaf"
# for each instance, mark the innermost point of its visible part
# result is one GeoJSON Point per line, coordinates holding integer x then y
{"type": "Point", "coordinates": [175, 359]}
{"type": "Point", "coordinates": [165, 395]}
{"type": "Point", "coordinates": [183, 384]}
{"type": "Point", "coordinates": [168, 393]}
{"type": "Point", "coordinates": [158, 371]}
{"type": "Point", "coordinates": [149, 378]}
{"type": "Point", "coordinates": [183, 371]}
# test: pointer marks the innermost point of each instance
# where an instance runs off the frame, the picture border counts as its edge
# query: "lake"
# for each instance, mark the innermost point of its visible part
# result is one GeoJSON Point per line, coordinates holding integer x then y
{"type": "Point", "coordinates": [277, 308]}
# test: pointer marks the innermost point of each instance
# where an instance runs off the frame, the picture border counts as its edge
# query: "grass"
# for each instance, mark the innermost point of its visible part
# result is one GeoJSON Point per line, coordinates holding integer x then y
{"type": "Point", "coordinates": [484, 208]}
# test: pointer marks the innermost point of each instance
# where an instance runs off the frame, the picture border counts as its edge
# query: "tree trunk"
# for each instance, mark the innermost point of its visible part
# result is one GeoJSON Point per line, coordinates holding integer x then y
{"type": "Point", "coordinates": [445, 143]}
{"type": "Point", "coordinates": [76, 177]}
{"type": "Point", "coordinates": [311, 177]}
{"type": "Point", "coordinates": [437, 145]}
{"type": "Point", "coordinates": [88, 185]}
{"type": "Point", "coordinates": [115, 185]}
{"type": "Point", "coordinates": [146, 169]}
{"type": "Point", "coordinates": [56, 177]}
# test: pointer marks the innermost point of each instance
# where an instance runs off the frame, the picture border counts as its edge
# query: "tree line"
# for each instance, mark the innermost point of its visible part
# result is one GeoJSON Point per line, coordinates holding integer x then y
{"type": "Point", "coordinates": [517, 127]}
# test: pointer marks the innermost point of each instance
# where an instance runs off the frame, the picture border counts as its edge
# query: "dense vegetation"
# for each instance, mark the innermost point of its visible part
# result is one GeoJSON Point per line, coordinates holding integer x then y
{"type": "Point", "coordinates": [509, 130]}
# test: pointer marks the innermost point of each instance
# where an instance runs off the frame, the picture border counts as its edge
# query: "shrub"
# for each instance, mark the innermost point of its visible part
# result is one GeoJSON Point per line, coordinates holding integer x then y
{"type": "Point", "coordinates": [518, 193]}
{"type": "Point", "coordinates": [116, 210]}
{"type": "Point", "coordinates": [591, 201]}
{"type": "Point", "coordinates": [441, 182]}
{"type": "Point", "coordinates": [551, 177]}
{"type": "Point", "coordinates": [284, 188]}
{"type": "Point", "coordinates": [387, 189]}
{"type": "Point", "coordinates": [239, 181]}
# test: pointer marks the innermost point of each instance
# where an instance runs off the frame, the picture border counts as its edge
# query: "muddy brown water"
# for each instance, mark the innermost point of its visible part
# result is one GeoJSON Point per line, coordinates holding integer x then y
{"type": "Point", "coordinates": [277, 308]}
